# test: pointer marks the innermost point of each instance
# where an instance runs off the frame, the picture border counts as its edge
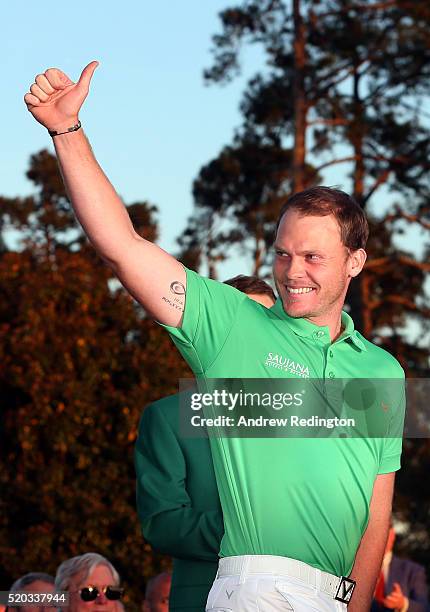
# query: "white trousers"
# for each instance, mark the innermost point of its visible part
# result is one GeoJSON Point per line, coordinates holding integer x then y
{"type": "Point", "coordinates": [253, 590]}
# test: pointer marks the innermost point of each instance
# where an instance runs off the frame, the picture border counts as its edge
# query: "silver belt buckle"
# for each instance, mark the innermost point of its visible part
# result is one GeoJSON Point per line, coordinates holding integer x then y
{"type": "Point", "coordinates": [345, 590]}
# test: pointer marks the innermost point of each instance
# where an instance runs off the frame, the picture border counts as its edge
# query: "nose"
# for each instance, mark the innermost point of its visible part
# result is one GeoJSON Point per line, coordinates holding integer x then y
{"type": "Point", "coordinates": [294, 268]}
{"type": "Point", "coordinates": [101, 598]}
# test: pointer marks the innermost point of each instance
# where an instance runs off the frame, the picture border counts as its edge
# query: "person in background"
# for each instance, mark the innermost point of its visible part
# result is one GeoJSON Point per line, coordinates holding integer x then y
{"type": "Point", "coordinates": [157, 593]}
{"type": "Point", "coordinates": [402, 584]}
{"type": "Point", "coordinates": [177, 495]}
{"type": "Point", "coordinates": [34, 582]}
{"type": "Point", "coordinates": [255, 288]}
{"type": "Point", "coordinates": [92, 583]}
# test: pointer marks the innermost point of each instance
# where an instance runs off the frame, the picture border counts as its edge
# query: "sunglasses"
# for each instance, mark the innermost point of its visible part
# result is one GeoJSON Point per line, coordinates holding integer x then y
{"type": "Point", "coordinates": [91, 593]}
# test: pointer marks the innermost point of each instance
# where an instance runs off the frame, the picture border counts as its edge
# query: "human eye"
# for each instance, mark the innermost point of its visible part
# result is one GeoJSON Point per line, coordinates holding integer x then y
{"type": "Point", "coordinates": [313, 257]}
{"type": "Point", "coordinates": [281, 253]}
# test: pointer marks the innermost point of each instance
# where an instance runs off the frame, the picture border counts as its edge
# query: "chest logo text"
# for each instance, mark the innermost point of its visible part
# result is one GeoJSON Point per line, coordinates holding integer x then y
{"type": "Point", "coordinates": [275, 360]}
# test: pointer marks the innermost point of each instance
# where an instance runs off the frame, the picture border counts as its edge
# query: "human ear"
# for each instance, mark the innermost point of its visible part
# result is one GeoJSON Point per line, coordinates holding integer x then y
{"type": "Point", "coordinates": [356, 262]}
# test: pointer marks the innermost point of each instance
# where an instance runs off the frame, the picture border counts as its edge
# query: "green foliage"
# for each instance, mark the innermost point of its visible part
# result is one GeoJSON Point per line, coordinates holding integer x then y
{"type": "Point", "coordinates": [78, 363]}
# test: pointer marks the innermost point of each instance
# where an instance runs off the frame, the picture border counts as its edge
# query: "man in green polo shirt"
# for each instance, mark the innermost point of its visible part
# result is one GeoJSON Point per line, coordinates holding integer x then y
{"type": "Point", "coordinates": [305, 499]}
{"type": "Point", "coordinates": [299, 513]}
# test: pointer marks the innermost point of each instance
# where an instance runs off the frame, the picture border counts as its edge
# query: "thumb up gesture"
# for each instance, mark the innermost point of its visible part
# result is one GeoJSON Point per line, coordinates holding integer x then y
{"type": "Point", "coordinates": [54, 100]}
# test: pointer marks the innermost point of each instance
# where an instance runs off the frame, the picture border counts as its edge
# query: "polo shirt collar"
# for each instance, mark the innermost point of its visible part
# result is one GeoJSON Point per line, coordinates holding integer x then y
{"type": "Point", "coordinates": [307, 329]}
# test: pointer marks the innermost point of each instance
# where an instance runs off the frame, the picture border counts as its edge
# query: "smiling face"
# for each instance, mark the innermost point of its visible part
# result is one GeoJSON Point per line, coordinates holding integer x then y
{"type": "Point", "coordinates": [100, 577]}
{"type": "Point", "coordinates": [313, 268]}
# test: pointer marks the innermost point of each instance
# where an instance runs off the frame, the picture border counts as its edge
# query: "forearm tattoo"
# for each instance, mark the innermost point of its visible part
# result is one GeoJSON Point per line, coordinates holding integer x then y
{"type": "Point", "coordinates": [177, 300]}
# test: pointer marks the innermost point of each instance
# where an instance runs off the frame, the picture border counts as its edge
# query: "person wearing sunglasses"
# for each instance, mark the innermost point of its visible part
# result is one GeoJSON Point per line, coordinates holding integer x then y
{"type": "Point", "coordinates": [91, 581]}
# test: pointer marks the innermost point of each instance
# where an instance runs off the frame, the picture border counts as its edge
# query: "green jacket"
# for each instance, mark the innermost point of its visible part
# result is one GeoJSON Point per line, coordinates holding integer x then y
{"type": "Point", "coordinates": [178, 503]}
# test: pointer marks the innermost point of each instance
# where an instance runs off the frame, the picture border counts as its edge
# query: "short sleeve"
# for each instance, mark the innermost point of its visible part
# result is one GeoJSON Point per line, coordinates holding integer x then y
{"type": "Point", "coordinates": [210, 311]}
{"type": "Point", "coordinates": [392, 443]}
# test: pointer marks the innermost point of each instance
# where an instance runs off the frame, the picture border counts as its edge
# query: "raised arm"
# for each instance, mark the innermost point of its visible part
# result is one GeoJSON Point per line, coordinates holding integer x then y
{"type": "Point", "coordinates": [150, 274]}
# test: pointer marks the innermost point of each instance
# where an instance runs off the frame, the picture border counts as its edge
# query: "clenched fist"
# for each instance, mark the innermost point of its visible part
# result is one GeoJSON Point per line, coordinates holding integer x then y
{"type": "Point", "coordinates": [54, 100]}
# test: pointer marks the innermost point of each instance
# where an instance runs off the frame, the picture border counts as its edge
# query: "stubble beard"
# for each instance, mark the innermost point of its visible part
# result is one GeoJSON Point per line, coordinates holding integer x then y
{"type": "Point", "coordinates": [327, 303]}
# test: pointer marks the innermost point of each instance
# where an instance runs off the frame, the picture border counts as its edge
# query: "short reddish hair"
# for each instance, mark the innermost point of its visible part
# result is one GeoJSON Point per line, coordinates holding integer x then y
{"type": "Point", "coordinates": [323, 201]}
{"type": "Point", "coordinates": [251, 285]}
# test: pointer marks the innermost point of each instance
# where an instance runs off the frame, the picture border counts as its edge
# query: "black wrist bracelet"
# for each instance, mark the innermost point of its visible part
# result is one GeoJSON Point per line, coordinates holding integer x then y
{"type": "Point", "coordinates": [74, 128]}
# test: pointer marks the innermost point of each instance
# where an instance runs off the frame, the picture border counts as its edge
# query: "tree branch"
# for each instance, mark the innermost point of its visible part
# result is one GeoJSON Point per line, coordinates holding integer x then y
{"type": "Point", "coordinates": [402, 301]}
{"type": "Point", "coordinates": [399, 160]}
{"type": "Point", "coordinates": [373, 264]}
{"type": "Point", "coordinates": [400, 214]}
{"type": "Point", "coordinates": [327, 86]}
{"type": "Point", "coordinates": [362, 7]}
{"type": "Point", "coordinates": [338, 121]}
{"type": "Point", "coordinates": [408, 261]}
{"type": "Point", "coordinates": [336, 161]}
{"type": "Point", "coordinates": [379, 181]}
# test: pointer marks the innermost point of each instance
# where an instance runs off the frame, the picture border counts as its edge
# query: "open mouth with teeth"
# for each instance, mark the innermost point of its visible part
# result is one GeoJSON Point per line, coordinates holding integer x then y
{"type": "Point", "coordinates": [299, 290]}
